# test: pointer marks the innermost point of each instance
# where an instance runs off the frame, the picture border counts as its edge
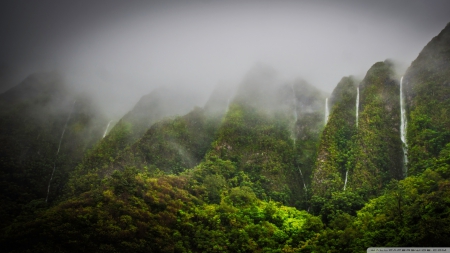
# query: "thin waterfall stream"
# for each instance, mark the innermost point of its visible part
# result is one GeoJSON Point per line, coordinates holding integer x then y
{"type": "Point", "coordinates": [303, 179]}
{"type": "Point", "coordinates": [57, 152]}
{"type": "Point", "coordinates": [346, 177]}
{"type": "Point", "coordinates": [357, 106]}
{"type": "Point", "coordinates": [403, 124]}
{"type": "Point", "coordinates": [356, 120]}
{"type": "Point", "coordinates": [106, 130]}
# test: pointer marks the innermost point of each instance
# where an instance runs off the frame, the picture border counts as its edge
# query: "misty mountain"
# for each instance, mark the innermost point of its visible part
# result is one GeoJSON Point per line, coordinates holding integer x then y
{"type": "Point", "coordinates": [367, 156]}
{"type": "Point", "coordinates": [160, 103]}
{"type": "Point", "coordinates": [219, 101]}
{"type": "Point", "coordinates": [257, 137]}
{"type": "Point", "coordinates": [275, 166]}
{"type": "Point", "coordinates": [157, 105]}
{"type": "Point", "coordinates": [45, 131]}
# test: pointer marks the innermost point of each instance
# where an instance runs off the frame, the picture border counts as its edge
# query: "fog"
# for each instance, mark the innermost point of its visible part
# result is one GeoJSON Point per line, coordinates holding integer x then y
{"type": "Point", "coordinates": [119, 51]}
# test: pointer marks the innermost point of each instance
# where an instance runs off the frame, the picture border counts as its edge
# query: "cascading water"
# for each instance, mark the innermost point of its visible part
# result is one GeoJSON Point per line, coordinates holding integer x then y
{"type": "Point", "coordinates": [228, 105]}
{"type": "Point", "coordinates": [303, 179]}
{"type": "Point", "coordinates": [357, 119]}
{"type": "Point", "coordinates": [403, 124]}
{"type": "Point", "coordinates": [346, 177]}
{"type": "Point", "coordinates": [106, 130]}
{"type": "Point", "coordinates": [57, 152]}
{"type": "Point", "coordinates": [326, 111]}
{"type": "Point", "coordinates": [357, 106]}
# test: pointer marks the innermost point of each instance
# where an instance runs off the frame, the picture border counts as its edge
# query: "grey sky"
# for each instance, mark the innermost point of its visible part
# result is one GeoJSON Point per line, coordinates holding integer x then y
{"type": "Point", "coordinates": [121, 50]}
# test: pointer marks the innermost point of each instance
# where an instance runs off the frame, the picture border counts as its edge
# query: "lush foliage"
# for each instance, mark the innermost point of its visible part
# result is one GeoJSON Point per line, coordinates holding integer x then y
{"type": "Point", "coordinates": [378, 150]}
{"type": "Point", "coordinates": [169, 146]}
{"type": "Point", "coordinates": [335, 150]}
{"type": "Point", "coordinates": [260, 146]}
{"type": "Point", "coordinates": [133, 212]}
{"type": "Point", "coordinates": [262, 175]}
{"type": "Point", "coordinates": [427, 86]}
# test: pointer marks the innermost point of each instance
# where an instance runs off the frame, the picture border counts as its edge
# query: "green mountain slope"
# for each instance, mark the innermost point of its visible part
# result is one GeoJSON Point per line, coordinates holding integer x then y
{"type": "Point", "coordinates": [255, 142]}
{"type": "Point", "coordinates": [427, 88]}
{"type": "Point", "coordinates": [172, 146]}
{"type": "Point", "coordinates": [378, 149]}
{"type": "Point", "coordinates": [334, 153]}
{"type": "Point", "coordinates": [151, 108]}
{"type": "Point", "coordinates": [412, 212]}
{"type": "Point", "coordinates": [355, 163]}
{"type": "Point", "coordinates": [262, 171]}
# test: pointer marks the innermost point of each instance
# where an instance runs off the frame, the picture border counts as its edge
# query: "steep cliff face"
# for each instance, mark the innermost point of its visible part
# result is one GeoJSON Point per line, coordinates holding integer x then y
{"type": "Point", "coordinates": [366, 157]}
{"type": "Point", "coordinates": [378, 148]}
{"type": "Point", "coordinates": [427, 88]}
{"type": "Point", "coordinates": [334, 153]}
{"type": "Point", "coordinates": [269, 136]}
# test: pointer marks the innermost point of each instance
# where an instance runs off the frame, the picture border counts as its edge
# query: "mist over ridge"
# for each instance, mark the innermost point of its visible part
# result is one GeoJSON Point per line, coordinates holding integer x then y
{"type": "Point", "coordinates": [206, 126]}
{"type": "Point", "coordinates": [119, 52]}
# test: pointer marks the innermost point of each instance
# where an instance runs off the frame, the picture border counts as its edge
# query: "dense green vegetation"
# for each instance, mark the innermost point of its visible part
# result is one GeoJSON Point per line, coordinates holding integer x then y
{"type": "Point", "coordinates": [132, 212]}
{"type": "Point", "coordinates": [370, 154]}
{"type": "Point", "coordinates": [334, 155]}
{"type": "Point", "coordinates": [259, 146]}
{"type": "Point", "coordinates": [307, 130]}
{"type": "Point", "coordinates": [150, 109]}
{"type": "Point", "coordinates": [171, 145]}
{"type": "Point", "coordinates": [378, 149]}
{"type": "Point", "coordinates": [411, 212]}
{"type": "Point", "coordinates": [427, 87]}
{"type": "Point", "coordinates": [256, 173]}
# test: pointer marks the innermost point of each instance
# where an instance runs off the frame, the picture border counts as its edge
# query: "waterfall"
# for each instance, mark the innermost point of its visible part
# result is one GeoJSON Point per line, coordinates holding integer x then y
{"type": "Point", "coordinates": [357, 106]}
{"type": "Point", "coordinates": [106, 130]}
{"type": "Point", "coordinates": [57, 152]}
{"type": "Point", "coordinates": [403, 124]}
{"type": "Point", "coordinates": [346, 177]}
{"type": "Point", "coordinates": [228, 104]}
{"type": "Point", "coordinates": [326, 111]}
{"type": "Point", "coordinates": [303, 179]}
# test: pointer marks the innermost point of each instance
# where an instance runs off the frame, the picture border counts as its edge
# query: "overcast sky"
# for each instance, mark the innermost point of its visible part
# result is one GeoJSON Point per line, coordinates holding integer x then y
{"type": "Point", "coordinates": [124, 49]}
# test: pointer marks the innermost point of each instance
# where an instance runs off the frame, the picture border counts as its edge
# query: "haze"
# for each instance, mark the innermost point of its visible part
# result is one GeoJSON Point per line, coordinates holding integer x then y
{"type": "Point", "coordinates": [119, 51]}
